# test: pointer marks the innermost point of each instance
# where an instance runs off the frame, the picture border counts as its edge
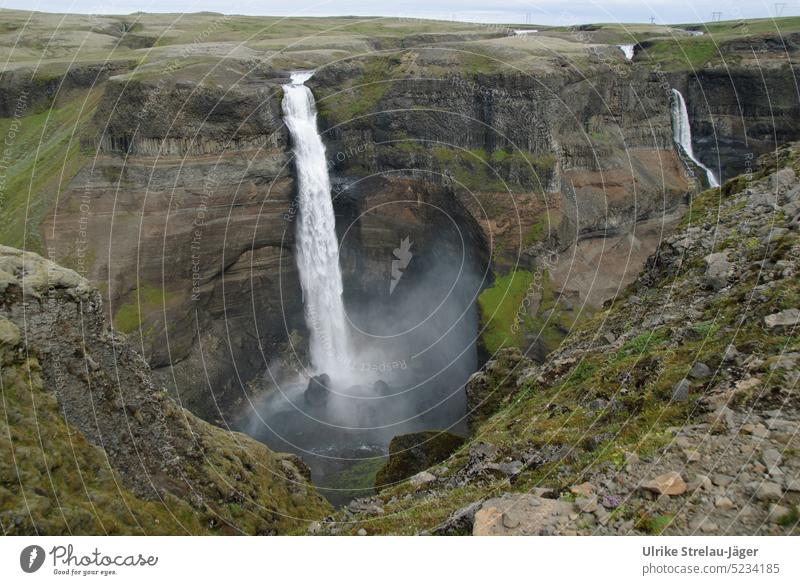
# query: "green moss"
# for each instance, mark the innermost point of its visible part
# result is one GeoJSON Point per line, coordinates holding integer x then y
{"type": "Point", "coordinates": [500, 306]}
{"type": "Point", "coordinates": [544, 227]}
{"type": "Point", "coordinates": [684, 53]}
{"type": "Point", "coordinates": [414, 452]}
{"type": "Point", "coordinates": [363, 94]}
{"type": "Point", "coordinates": [145, 300]}
{"type": "Point", "coordinates": [356, 480]}
{"type": "Point", "coordinates": [790, 519]}
{"type": "Point", "coordinates": [653, 524]}
{"type": "Point", "coordinates": [641, 343]}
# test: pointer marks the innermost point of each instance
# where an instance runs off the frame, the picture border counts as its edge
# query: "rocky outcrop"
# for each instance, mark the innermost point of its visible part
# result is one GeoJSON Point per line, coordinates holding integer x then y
{"type": "Point", "coordinates": [36, 91]}
{"type": "Point", "coordinates": [415, 452]}
{"type": "Point", "coordinates": [55, 338]}
{"type": "Point", "coordinates": [494, 384]}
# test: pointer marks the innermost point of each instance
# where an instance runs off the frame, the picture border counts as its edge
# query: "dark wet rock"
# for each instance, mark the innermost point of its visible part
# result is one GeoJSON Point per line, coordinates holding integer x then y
{"type": "Point", "coordinates": [318, 390]}
{"type": "Point", "coordinates": [409, 454]}
{"type": "Point", "coordinates": [381, 388]}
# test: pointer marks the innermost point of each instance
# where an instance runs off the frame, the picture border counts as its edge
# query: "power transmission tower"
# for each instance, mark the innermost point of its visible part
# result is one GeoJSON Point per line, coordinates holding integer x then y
{"type": "Point", "coordinates": [716, 17]}
{"type": "Point", "coordinates": [779, 6]}
{"type": "Point", "coordinates": [652, 20]}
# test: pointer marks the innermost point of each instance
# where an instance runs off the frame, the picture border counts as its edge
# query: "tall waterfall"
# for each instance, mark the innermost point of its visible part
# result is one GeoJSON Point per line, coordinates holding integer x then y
{"type": "Point", "coordinates": [316, 245]}
{"type": "Point", "coordinates": [682, 133]}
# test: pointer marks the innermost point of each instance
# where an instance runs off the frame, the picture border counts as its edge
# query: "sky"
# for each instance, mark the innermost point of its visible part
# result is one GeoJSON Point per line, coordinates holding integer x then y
{"type": "Point", "coordinates": [547, 12]}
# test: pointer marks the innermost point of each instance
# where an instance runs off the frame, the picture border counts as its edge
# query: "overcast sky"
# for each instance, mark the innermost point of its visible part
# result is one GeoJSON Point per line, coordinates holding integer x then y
{"type": "Point", "coordinates": [555, 12]}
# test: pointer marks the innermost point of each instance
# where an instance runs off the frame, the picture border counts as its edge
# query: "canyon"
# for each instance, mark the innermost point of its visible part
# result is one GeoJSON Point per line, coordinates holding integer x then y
{"type": "Point", "coordinates": [488, 161]}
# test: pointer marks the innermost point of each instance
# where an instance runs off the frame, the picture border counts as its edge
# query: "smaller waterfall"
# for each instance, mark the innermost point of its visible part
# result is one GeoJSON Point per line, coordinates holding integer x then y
{"type": "Point", "coordinates": [628, 50]}
{"type": "Point", "coordinates": [682, 134]}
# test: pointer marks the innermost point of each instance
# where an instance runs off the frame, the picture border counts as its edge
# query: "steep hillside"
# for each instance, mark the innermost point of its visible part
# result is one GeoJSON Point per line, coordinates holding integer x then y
{"type": "Point", "coordinates": [673, 410]}
{"type": "Point", "coordinates": [91, 445]}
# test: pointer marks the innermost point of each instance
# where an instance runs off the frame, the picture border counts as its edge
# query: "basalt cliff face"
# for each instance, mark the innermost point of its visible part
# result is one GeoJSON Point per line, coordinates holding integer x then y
{"type": "Point", "coordinates": [187, 208]}
{"type": "Point", "coordinates": [184, 218]}
{"type": "Point", "coordinates": [741, 112]}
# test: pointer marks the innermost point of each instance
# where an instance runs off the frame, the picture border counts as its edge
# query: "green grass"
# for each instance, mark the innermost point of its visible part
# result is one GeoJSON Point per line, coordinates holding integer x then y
{"type": "Point", "coordinates": [46, 155]}
{"type": "Point", "coordinates": [145, 300]}
{"type": "Point", "coordinates": [358, 480]}
{"type": "Point", "coordinates": [362, 94]}
{"type": "Point", "coordinates": [499, 306]}
{"type": "Point", "coordinates": [53, 481]}
{"type": "Point", "coordinates": [675, 54]}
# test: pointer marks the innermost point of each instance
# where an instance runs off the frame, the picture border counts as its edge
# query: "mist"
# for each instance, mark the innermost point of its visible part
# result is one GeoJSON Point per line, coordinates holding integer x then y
{"type": "Point", "coordinates": [414, 348]}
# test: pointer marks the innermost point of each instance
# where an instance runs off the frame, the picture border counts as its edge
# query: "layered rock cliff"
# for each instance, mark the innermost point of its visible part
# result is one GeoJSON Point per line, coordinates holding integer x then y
{"type": "Point", "coordinates": [188, 205]}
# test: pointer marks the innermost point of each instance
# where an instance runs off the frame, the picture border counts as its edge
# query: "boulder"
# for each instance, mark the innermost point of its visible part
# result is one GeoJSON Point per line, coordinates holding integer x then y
{"type": "Point", "coordinates": [422, 478]}
{"type": "Point", "coordinates": [782, 179]}
{"type": "Point", "coordinates": [318, 389]}
{"type": "Point", "coordinates": [415, 452]}
{"type": "Point", "coordinates": [669, 484]}
{"type": "Point", "coordinates": [381, 388]}
{"type": "Point", "coordinates": [700, 371]}
{"type": "Point", "coordinates": [787, 318]}
{"type": "Point", "coordinates": [521, 514]}
{"type": "Point", "coordinates": [681, 391]}
{"type": "Point", "coordinates": [718, 269]}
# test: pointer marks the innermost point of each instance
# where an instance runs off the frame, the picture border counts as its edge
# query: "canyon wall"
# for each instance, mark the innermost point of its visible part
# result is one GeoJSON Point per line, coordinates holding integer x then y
{"type": "Point", "coordinates": [185, 215]}
{"type": "Point", "coordinates": [184, 219]}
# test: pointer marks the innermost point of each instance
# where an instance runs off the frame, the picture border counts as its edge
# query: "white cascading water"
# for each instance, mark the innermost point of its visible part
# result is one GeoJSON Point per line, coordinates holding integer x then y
{"type": "Point", "coordinates": [316, 245]}
{"type": "Point", "coordinates": [628, 50]}
{"type": "Point", "coordinates": [682, 133]}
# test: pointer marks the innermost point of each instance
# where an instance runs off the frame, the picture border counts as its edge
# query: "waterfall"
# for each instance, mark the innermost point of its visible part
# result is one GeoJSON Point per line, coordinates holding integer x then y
{"type": "Point", "coordinates": [682, 134]}
{"type": "Point", "coordinates": [628, 50]}
{"type": "Point", "coordinates": [317, 248]}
